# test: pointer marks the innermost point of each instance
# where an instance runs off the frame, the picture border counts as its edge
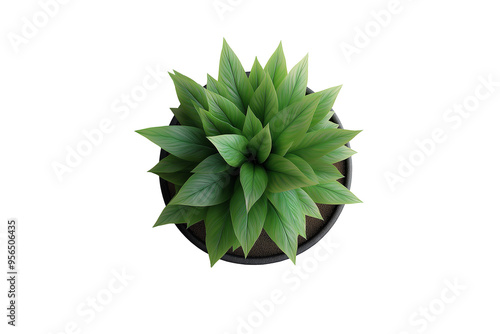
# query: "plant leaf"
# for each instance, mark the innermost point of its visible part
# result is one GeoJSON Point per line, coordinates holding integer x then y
{"type": "Point", "coordinates": [281, 231]}
{"type": "Point", "coordinates": [212, 165]}
{"type": "Point", "coordinates": [172, 164]}
{"type": "Point", "coordinates": [331, 193]}
{"type": "Point", "coordinates": [204, 190]}
{"type": "Point", "coordinates": [257, 74]}
{"type": "Point", "coordinates": [325, 105]}
{"type": "Point", "coordinates": [303, 166]}
{"type": "Point", "coordinates": [186, 142]}
{"type": "Point", "coordinates": [264, 101]}
{"type": "Point", "coordinates": [284, 175]}
{"type": "Point", "coordinates": [318, 143]}
{"type": "Point", "coordinates": [180, 214]}
{"type": "Point", "coordinates": [260, 145]}
{"type": "Point", "coordinates": [287, 203]}
{"type": "Point", "coordinates": [234, 77]}
{"type": "Point", "coordinates": [220, 234]}
{"type": "Point", "coordinates": [213, 126]}
{"type": "Point", "coordinates": [339, 154]}
{"type": "Point", "coordinates": [216, 87]}
{"type": "Point", "coordinates": [308, 206]}
{"type": "Point", "coordinates": [247, 225]}
{"type": "Point", "coordinates": [325, 172]}
{"type": "Point", "coordinates": [189, 94]}
{"type": "Point", "coordinates": [291, 124]}
{"type": "Point", "coordinates": [293, 88]}
{"type": "Point", "coordinates": [187, 116]}
{"type": "Point", "coordinates": [254, 180]}
{"type": "Point", "coordinates": [225, 110]}
{"type": "Point", "coordinates": [276, 66]}
{"type": "Point", "coordinates": [177, 178]}
{"type": "Point", "coordinates": [233, 148]}
{"type": "Point", "coordinates": [324, 124]}
{"type": "Point", "coordinates": [252, 124]}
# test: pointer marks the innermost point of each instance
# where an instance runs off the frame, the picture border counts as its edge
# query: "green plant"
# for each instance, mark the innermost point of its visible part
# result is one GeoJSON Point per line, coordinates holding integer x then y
{"type": "Point", "coordinates": [252, 153]}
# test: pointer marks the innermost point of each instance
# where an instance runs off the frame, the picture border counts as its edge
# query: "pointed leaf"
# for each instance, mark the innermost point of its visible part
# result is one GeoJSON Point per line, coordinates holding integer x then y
{"type": "Point", "coordinates": [234, 77]}
{"type": "Point", "coordinates": [291, 124]}
{"type": "Point", "coordinates": [304, 167]}
{"type": "Point", "coordinates": [254, 180]}
{"type": "Point", "coordinates": [281, 231]}
{"type": "Point", "coordinates": [172, 164]}
{"type": "Point", "coordinates": [284, 175]}
{"type": "Point", "coordinates": [276, 67]}
{"type": "Point", "coordinates": [308, 206]}
{"type": "Point", "coordinates": [214, 126]}
{"type": "Point", "coordinates": [180, 214]}
{"type": "Point", "coordinates": [264, 102]}
{"type": "Point", "coordinates": [247, 225]}
{"type": "Point", "coordinates": [287, 203]}
{"type": "Point", "coordinates": [225, 110]}
{"type": "Point", "coordinates": [319, 143]}
{"type": "Point", "coordinates": [293, 88]}
{"type": "Point", "coordinates": [257, 74]}
{"type": "Point", "coordinates": [212, 165]}
{"type": "Point", "coordinates": [186, 116]}
{"type": "Point", "coordinates": [190, 94]}
{"type": "Point", "coordinates": [252, 125]}
{"type": "Point", "coordinates": [339, 154]}
{"type": "Point", "coordinates": [324, 124]}
{"type": "Point", "coordinates": [331, 193]}
{"type": "Point", "coordinates": [233, 148]}
{"type": "Point", "coordinates": [204, 190]}
{"type": "Point", "coordinates": [186, 142]}
{"type": "Point", "coordinates": [260, 145]}
{"type": "Point", "coordinates": [216, 87]}
{"type": "Point", "coordinates": [325, 172]}
{"type": "Point", "coordinates": [220, 234]}
{"type": "Point", "coordinates": [325, 105]}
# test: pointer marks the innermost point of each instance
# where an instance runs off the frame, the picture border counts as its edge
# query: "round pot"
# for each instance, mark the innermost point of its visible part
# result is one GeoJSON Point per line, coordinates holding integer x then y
{"type": "Point", "coordinates": [265, 251]}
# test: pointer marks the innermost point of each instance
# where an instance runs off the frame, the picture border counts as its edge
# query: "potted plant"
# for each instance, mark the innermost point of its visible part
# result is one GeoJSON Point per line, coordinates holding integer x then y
{"type": "Point", "coordinates": [251, 164]}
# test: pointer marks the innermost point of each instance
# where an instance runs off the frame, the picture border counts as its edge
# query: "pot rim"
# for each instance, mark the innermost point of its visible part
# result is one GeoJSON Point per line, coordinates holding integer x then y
{"type": "Point", "coordinates": [272, 258]}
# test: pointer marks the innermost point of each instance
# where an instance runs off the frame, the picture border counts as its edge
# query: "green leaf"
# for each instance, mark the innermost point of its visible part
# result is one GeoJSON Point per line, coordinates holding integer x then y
{"type": "Point", "coordinates": [291, 124]}
{"type": "Point", "coordinates": [236, 245]}
{"type": "Point", "coordinates": [190, 94]}
{"type": "Point", "coordinates": [225, 110]}
{"type": "Point", "coordinates": [177, 178]}
{"type": "Point", "coordinates": [324, 124]}
{"type": "Point", "coordinates": [264, 102]}
{"type": "Point", "coordinates": [234, 77]}
{"type": "Point", "coordinates": [204, 190]}
{"type": "Point", "coordinates": [254, 182]}
{"type": "Point", "coordinates": [233, 148]}
{"type": "Point", "coordinates": [212, 165]}
{"type": "Point", "coordinates": [220, 234]}
{"type": "Point", "coordinates": [284, 175]}
{"type": "Point", "coordinates": [186, 116]}
{"type": "Point", "coordinates": [213, 126]}
{"type": "Point", "coordinates": [282, 232]}
{"type": "Point", "coordinates": [257, 74]}
{"type": "Point", "coordinates": [339, 154]}
{"type": "Point", "coordinates": [180, 214]}
{"type": "Point", "coordinates": [260, 145]}
{"type": "Point", "coordinates": [172, 164]}
{"type": "Point", "coordinates": [308, 206]}
{"type": "Point", "coordinates": [325, 105]}
{"type": "Point", "coordinates": [186, 142]}
{"type": "Point", "coordinates": [216, 87]}
{"type": "Point", "coordinates": [293, 88]}
{"type": "Point", "coordinates": [318, 143]}
{"type": "Point", "coordinates": [247, 225]}
{"type": "Point", "coordinates": [325, 172]}
{"type": "Point", "coordinates": [303, 166]}
{"type": "Point", "coordinates": [252, 125]}
{"type": "Point", "coordinates": [331, 193]}
{"type": "Point", "coordinates": [276, 67]}
{"type": "Point", "coordinates": [287, 203]}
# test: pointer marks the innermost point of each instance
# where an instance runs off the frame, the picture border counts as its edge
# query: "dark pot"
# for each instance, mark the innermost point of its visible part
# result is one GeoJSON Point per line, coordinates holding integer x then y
{"type": "Point", "coordinates": [265, 250]}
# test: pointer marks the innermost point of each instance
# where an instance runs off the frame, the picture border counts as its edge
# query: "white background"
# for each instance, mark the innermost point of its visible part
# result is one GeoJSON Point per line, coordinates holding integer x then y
{"type": "Point", "coordinates": [395, 253]}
